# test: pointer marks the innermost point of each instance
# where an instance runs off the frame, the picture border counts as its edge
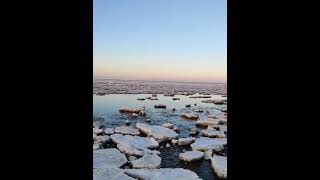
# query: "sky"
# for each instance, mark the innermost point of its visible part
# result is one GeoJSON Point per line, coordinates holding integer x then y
{"type": "Point", "coordinates": [179, 40]}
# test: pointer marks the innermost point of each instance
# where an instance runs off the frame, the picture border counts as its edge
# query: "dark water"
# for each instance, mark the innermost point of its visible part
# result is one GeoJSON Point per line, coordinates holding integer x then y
{"type": "Point", "coordinates": [106, 111]}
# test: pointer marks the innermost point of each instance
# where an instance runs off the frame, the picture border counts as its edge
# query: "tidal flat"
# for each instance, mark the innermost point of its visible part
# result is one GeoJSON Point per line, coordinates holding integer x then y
{"type": "Point", "coordinates": [146, 142]}
{"type": "Point", "coordinates": [114, 86]}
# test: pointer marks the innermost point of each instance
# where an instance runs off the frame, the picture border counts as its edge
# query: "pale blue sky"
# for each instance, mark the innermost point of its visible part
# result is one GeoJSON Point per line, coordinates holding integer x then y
{"type": "Point", "coordinates": [160, 39]}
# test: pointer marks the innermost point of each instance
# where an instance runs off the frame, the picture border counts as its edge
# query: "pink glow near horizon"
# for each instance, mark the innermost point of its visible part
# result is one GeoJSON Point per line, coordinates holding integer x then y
{"type": "Point", "coordinates": [207, 74]}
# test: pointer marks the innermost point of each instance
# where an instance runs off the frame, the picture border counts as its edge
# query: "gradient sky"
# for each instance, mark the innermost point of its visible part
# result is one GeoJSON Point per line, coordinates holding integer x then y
{"type": "Point", "coordinates": [160, 39]}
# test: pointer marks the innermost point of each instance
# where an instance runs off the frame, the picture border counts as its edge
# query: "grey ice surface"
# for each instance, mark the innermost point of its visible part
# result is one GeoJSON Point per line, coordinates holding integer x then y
{"type": "Point", "coordinates": [116, 86]}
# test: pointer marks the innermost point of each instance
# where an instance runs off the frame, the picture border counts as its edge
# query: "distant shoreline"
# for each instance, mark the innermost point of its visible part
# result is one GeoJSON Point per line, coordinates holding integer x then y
{"type": "Point", "coordinates": [119, 86]}
{"type": "Point", "coordinates": [168, 81]}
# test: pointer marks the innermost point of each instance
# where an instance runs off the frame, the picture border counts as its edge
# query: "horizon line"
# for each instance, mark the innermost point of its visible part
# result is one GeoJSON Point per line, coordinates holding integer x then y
{"type": "Point", "coordinates": [148, 80]}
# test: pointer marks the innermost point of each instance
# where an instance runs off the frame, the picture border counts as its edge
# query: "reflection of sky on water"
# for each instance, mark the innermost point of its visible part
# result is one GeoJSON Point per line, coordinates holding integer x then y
{"type": "Point", "coordinates": [108, 107]}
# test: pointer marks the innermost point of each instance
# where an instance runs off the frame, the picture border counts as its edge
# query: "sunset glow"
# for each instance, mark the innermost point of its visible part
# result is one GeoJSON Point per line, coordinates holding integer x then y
{"type": "Point", "coordinates": [160, 40]}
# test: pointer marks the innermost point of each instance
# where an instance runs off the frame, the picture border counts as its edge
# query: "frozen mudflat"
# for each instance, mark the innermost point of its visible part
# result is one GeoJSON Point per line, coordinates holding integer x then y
{"type": "Point", "coordinates": [191, 156]}
{"type": "Point", "coordinates": [108, 157]}
{"type": "Point", "coordinates": [162, 174]}
{"type": "Point", "coordinates": [148, 161]}
{"type": "Point", "coordinates": [135, 141]}
{"type": "Point", "coordinates": [205, 144]}
{"type": "Point", "coordinates": [115, 86]}
{"type": "Point", "coordinates": [147, 145]}
{"type": "Point", "coordinates": [219, 164]}
{"type": "Point", "coordinates": [127, 130]}
{"type": "Point", "coordinates": [213, 133]}
{"type": "Point", "coordinates": [158, 132]}
{"type": "Point", "coordinates": [186, 141]}
{"type": "Point", "coordinates": [110, 173]}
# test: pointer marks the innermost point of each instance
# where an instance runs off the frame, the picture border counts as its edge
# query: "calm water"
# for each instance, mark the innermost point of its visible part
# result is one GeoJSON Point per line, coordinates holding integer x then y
{"type": "Point", "coordinates": [106, 111]}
